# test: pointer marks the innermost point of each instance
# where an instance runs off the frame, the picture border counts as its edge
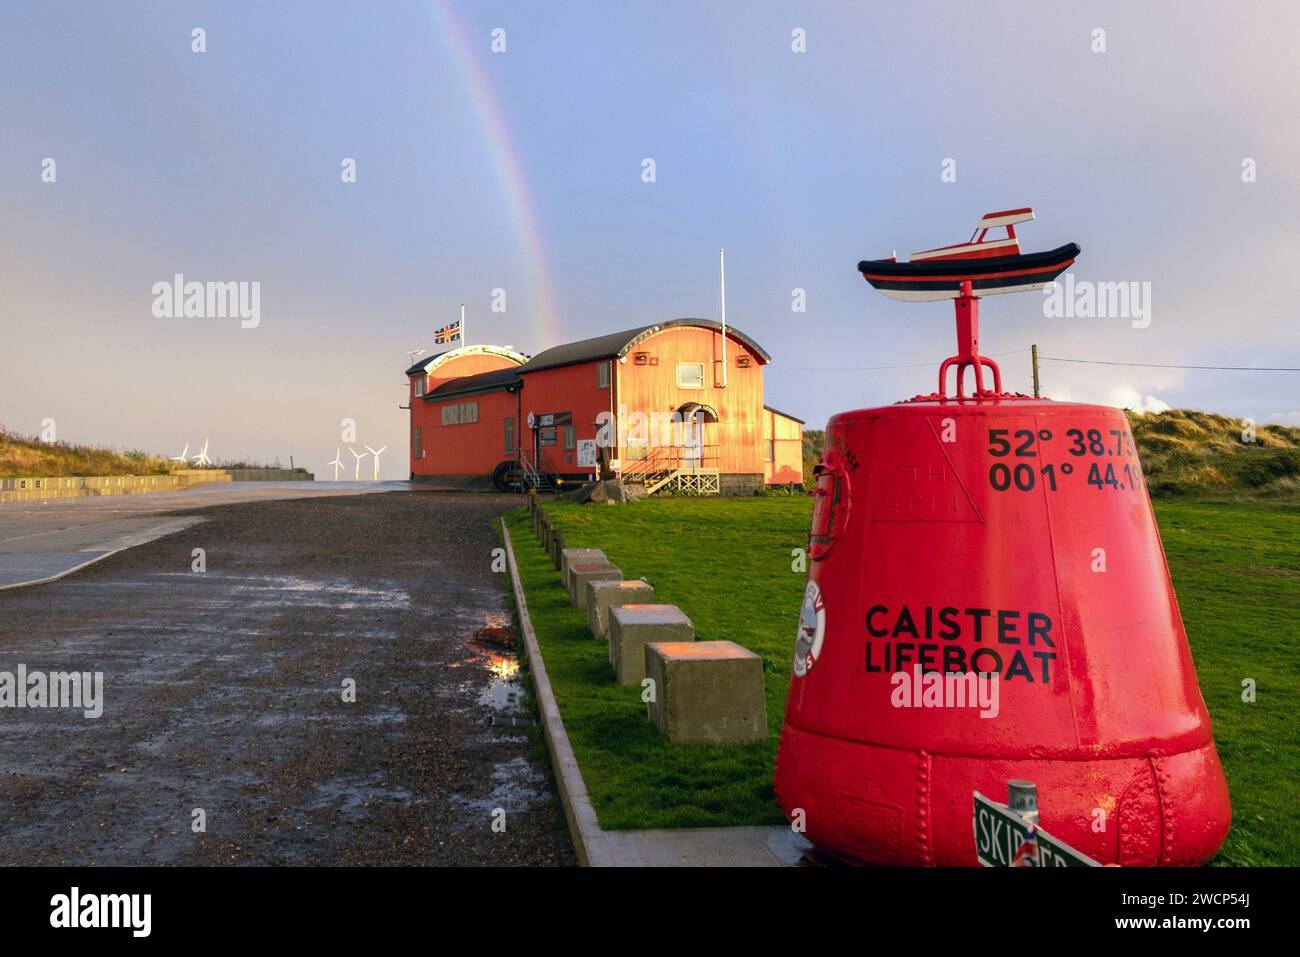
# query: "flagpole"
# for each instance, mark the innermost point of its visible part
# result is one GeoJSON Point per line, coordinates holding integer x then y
{"type": "Point", "coordinates": [463, 340]}
{"type": "Point", "coordinates": [722, 278]}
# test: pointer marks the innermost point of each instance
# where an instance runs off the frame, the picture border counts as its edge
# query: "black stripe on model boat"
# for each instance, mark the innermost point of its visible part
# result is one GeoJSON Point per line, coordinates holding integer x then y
{"type": "Point", "coordinates": [958, 267]}
{"type": "Point", "coordinates": [946, 285]}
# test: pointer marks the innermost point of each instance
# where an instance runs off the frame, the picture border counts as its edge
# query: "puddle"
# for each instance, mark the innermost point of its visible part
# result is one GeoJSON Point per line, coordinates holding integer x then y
{"type": "Point", "coordinates": [350, 796]}
{"type": "Point", "coordinates": [294, 590]}
{"type": "Point", "coordinates": [493, 649]}
{"type": "Point", "coordinates": [515, 786]}
{"type": "Point", "coordinates": [505, 692]}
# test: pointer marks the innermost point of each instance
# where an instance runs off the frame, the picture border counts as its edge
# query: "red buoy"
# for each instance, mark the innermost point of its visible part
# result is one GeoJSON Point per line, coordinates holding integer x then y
{"type": "Point", "coordinates": [987, 601]}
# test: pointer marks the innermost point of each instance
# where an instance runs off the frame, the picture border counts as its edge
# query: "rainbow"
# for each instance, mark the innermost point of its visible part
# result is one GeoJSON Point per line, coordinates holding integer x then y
{"type": "Point", "coordinates": [464, 57]}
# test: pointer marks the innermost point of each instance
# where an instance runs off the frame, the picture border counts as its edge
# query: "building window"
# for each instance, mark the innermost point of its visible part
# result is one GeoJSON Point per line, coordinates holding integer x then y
{"type": "Point", "coordinates": [463, 413]}
{"type": "Point", "coordinates": [570, 437]}
{"type": "Point", "coordinates": [418, 442]}
{"type": "Point", "coordinates": [769, 450]}
{"type": "Point", "coordinates": [419, 385]}
{"type": "Point", "coordinates": [510, 434]}
{"type": "Point", "coordinates": [690, 375]}
{"type": "Point", "coordinates": [602, 375]}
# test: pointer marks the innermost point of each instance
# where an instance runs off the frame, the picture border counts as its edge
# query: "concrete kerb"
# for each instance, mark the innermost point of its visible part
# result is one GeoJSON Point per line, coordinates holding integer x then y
{"type": "Point", "coordinates": [589, 840]}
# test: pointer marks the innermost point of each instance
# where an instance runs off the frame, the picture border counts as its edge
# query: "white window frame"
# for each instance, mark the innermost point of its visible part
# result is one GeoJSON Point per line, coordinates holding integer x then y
{"type": "Point", "coordinates": [692, 365]}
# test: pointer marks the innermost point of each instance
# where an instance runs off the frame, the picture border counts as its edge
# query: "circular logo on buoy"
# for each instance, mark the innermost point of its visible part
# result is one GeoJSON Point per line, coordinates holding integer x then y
{"type": "Point", "coordinates": [812, 629]}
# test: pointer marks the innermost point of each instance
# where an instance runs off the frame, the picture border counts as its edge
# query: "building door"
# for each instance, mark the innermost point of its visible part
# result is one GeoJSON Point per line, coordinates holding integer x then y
{"type": "Point", "coordinates": [698, 435]}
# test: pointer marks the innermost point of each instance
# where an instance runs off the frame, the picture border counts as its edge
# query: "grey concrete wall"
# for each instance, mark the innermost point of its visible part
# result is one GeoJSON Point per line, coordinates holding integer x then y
{"type": "Point", "coordinates": [740, 483]}
{"type": "Point", "coordinates": [81, 486]}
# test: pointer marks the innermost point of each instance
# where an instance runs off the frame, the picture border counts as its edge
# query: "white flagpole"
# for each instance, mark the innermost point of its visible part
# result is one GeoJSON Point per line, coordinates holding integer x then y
{"type": "Point", "coordinates": [722, 277]}
{"type": "Point", "coordinates": [463, 341]}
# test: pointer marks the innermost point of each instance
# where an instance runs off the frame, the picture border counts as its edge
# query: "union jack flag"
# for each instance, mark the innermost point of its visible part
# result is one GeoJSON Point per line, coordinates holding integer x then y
{"type": "Point", "coordinates": [1027, 853]}
{"type": "Point", "coordinates": [447, 334]}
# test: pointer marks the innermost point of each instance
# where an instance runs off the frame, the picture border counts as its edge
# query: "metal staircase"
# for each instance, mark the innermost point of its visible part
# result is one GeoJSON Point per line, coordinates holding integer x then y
{"type": "Point", "coordinates": [534, 479]}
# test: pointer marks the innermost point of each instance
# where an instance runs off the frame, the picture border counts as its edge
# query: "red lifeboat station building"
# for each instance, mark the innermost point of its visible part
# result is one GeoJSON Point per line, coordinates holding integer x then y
{"type": "Point", "coordinates": [670, 404]}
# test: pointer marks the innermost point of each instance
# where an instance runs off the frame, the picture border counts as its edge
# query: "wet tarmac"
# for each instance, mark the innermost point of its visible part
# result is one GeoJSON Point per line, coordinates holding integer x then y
{"type": "Point", "coordinates": [225, 696]}
{"type": "Point", "coordinates": [43, 539]}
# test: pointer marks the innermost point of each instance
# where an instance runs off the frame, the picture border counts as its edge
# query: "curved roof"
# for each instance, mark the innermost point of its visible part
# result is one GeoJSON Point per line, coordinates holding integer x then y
{"type": "Point", "coordinates": [432, 362]}
{"type": "Point", "coordinates": [498, 380]}
{"type": "Point", "coordinates": [616, 345]}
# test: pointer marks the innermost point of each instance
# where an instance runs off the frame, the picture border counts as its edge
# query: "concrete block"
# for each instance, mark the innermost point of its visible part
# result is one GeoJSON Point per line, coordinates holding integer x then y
{"type": "Point", "coordinates": [576, 556]}
{"type": "Point", "coordinates": [706, 692]}
{"type": "Point", "coordinates": [633, 627]}
{"type": "Point", "coordinates": [579, 575]}
{"type": "Point", "coordinates": [603, 595]}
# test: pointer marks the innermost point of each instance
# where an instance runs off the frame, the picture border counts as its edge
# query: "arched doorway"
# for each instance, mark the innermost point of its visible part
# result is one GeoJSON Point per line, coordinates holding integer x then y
{"type": "Point", "coordinates": [699, 433]}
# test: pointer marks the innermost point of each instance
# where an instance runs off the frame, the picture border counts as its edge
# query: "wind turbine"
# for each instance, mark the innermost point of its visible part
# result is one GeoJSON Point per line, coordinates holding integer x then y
{"type": "Point", "coordinates": [184, 457]}
{"type": "Point", "coordinates": [359, 456]}
{"type": "Point", "coordinates": [202, 459]}
{"type": "Point", "coordinates": [336, 463]}
{"type": "Point", "coordinates": [376, 455]}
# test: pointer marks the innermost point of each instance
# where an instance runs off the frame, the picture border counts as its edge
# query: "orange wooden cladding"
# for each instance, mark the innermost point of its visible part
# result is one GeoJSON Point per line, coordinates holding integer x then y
{"type": "Point", "coordinates": [786, 437]}
{"type": "Point", "coordinates": [643, 389]}
{"type": "Point", "coordinates": [648, 389]}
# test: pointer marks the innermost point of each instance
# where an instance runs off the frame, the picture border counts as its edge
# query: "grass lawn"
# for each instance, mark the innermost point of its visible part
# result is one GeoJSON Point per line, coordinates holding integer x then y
{"type": "Point", "coordinates": [1236, 568]}
{"type": "Point", "coordinates": [726, 563]}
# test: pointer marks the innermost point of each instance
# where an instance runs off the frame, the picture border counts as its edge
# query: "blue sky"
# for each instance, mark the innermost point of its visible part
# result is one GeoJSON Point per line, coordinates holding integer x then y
{"type": "Point", "coordinates": [522, 170]}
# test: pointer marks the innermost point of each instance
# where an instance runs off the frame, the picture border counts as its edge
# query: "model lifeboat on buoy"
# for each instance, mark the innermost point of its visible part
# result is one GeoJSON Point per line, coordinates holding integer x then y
{"type": "Point", "coordinates": [988, 604]}
{"type": "Point", "coordinates": [991, 265]}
